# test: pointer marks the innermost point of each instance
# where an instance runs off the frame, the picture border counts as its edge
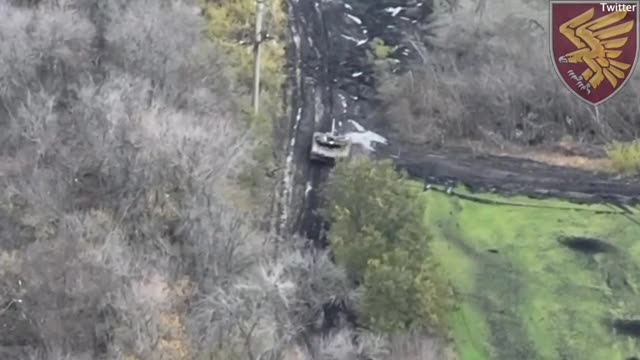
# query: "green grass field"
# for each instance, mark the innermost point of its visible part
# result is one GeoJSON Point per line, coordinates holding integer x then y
{"type": "Point", "coordinates": [521, 293]}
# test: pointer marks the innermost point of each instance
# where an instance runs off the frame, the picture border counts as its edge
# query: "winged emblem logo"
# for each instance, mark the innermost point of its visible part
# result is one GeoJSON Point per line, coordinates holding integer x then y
{"type": "Point", "coordinates": [594, 45]}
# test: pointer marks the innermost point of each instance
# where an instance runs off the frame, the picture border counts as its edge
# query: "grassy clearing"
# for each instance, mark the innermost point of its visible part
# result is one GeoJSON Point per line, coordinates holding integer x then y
{"type": "Point", "coordinates": [523, 295]}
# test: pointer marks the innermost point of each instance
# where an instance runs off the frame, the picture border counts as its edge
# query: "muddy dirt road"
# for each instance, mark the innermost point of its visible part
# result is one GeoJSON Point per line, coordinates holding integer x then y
{"type": "Point", "coordinates": [331, 85]}
{"type": "Point", "coordinates": [517, 176]}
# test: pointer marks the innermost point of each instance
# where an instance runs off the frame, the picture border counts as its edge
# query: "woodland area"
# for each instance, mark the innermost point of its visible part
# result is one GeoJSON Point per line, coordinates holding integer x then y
{"type": "Point", "coordinates": [484, 79]}
{"type": "Point", "coordinates": [124, 154]}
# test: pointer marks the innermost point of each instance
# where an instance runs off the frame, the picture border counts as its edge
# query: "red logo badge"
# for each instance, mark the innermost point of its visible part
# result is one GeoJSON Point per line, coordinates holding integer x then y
{"type": "Point", "coordinates": [594, 45]}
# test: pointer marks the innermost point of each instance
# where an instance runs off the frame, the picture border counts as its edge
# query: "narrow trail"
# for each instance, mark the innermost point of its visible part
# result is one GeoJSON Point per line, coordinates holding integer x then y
{"type": "Point", "coordinates": [331, 82]}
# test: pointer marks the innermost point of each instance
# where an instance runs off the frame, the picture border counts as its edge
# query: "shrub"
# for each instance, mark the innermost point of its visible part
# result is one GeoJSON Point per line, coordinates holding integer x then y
{"type": "Point", "coordinates": [373, 210]}
{"type": "Point", "coordinates": [378, 234]}
{"type": "Point", "coordinates": [397, 295]}
{"type": "Point", "coordinates": [625, 157]}
{"type": "Point", "coordinates": [379, 49]}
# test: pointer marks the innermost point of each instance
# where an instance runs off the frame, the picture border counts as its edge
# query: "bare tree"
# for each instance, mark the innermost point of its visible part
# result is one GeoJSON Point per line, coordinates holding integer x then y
{"type": "Point", "coordinates": [349, 345]}
{"type": "Point", "coordinates": [270, 308]}
{"type": "Point", "coordinates": [42, 50]}
{"type": "Point", "coordinates": [346, 344]}
{"type": "Point", "coordinates": [162, 41]}
{"type": "Point", "coordinates": [416, 345]}
{"type": "Point", "coordinates": [482, 79]}
{"type": "Point", "coordinates": [109, 176]}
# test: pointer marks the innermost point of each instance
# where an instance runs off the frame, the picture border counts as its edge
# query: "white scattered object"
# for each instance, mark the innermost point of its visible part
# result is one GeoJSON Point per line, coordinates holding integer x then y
{"type": "Point", "coordinates": [356, 74]}
{"type": "Point", "coordinates": [358, 127]}
{"type": "Point", "coordinates": [343, 102]}
{"type": "Point", "coordinates": [350, 38]}
{"type": "Point", "coordinates": [364, 137]}
{"type": "Point", "coordinates": [289, 167]}
{"type": "Point", "coordinates": [394, 10]}
{"type": "Point", "coordinates": [355, 19]}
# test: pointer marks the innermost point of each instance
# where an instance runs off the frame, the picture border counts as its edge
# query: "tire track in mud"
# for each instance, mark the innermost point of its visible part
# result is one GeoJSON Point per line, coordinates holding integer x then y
{"type": "Point", "coordinates": [308, 93]}
{"type": "Point", "coordinates": [331, 85]}
{"type": "Point", "coordinates": [513, 176]}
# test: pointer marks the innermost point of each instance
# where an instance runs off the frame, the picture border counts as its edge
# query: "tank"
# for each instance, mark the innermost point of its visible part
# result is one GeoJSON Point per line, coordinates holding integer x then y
{"type": "Point", "coordinates": [326, 147]}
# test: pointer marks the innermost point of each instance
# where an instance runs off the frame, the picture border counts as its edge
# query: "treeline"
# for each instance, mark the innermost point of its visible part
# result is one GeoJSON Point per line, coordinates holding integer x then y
{"type": "Point", "coordinates": [487, 76]}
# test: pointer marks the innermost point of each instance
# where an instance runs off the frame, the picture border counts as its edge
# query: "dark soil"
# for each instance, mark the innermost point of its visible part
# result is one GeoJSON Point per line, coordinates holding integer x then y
{"type": "Point", "coordinates": [627, 327]}
{"type": "Point", "coordinates": [515, 176]}
{"type": "Point", "coordinates": [587, 245]}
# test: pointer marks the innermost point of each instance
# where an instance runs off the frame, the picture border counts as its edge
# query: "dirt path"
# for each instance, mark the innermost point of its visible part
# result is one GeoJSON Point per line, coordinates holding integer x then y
{"type": "Point", "coordinates": [330, 81]}
{"type": "Point", "coordinates": [517, 176]}
{"type": "Point", "coordinates": [308, 106]}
